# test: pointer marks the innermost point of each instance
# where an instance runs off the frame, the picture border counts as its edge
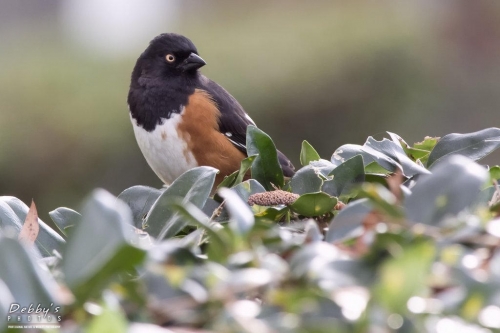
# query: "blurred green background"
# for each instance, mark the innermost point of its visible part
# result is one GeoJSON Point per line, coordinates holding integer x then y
{"type": "Point", "coordinates": [330, 72]}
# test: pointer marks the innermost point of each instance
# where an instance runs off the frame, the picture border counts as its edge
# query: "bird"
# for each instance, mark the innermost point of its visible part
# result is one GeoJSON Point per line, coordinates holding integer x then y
{"type": "Point", "coordinates": [181, 118]}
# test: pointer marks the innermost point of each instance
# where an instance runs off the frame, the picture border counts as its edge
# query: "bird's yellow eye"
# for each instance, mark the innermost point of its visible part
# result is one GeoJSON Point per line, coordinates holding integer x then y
{"type": "Point", "coordinates": [170, 58]}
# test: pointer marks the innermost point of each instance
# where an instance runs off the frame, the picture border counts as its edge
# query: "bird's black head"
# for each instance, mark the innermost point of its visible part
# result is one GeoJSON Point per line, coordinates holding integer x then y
{"type": "Point", "coordinates": [167, 56]}
{"type": "Point", "coordinates": [164, 77]}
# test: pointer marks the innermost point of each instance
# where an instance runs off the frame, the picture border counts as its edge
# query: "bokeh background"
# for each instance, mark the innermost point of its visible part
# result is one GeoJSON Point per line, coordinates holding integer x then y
{"type": "Point", "coordinates": [330, 72]}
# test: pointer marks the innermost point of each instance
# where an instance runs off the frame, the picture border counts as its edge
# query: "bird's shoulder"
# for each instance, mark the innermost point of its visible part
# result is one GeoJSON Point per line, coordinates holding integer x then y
{"type": "Point", "coordinates": [233, 120]}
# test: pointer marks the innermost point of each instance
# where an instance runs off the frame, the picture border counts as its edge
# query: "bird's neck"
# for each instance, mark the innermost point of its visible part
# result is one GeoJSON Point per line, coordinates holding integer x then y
{"type": "Point", "coordinates": [152, 101]}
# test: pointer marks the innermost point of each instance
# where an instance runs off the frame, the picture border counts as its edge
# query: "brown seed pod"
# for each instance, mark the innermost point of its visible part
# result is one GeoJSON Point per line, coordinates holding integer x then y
{"type": "Point", "coordinates": [272, 198]}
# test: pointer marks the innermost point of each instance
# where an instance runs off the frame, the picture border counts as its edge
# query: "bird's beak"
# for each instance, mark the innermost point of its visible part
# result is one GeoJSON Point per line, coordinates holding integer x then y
{"type": "Point", "coordinates": [192, 62]}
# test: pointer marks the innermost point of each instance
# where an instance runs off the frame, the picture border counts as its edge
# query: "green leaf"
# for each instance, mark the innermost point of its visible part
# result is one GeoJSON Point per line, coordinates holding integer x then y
{"type": "Point", "coordinates": [406, 275]}
{"type": "Point", "coordinates": [485, 196]}
{"type": "Point", "coordinates": [176, 251]}
{"type": "Point", "coordinates": [140, 199]}
{"type": "Point", "coordinates": [345, 273]}
{"type": "Point", "coordinates": [314, 204]}
{"type": "Point", "coordinates": [65, 218]}
{"type": "Point", "coordinates": [308, 153]}
{"type": "Point", "coordinates": [306, 180]}
{"type": "Point", "coordinates": [245, 165]}
{"type": "Point", "coordinates": [194, 186]}
{"type": "Point", "coordinates": [474, 145]}
{"type": "Point", "coordinates": [119, 266]}
{"type": "Point", "coordinates": [11, 225]}
{"type": "Point", "coordinates": [47, 240]}
{"type": "Point", "coordinates": [323, 168]}
{"type": "Point", "coordinates": [100, 246]}
{"type": "Point", "coordinates": [383, 199]}
{"type": "Point", "coordinates": [313, 234]}
{"type": "Point", "coordinates": [228, 180]}
{"type": "Point", "coordinates": [242, 219]}
{"type": "Point", "coordinates": [494, 172]}
{"type": "Point", "coordinates": [386, 153]}
{"type": "Point", "coordinates": [427, 145]}
{"type": "Point", "coordinates": [348, 221]}
{"type": "Point", "coordinates": [266, 168]}
{"type": "Point", "coordinates": [370, 155]}
{"type": "Point", "coordinates": [9, 221]}
{"type": "Point", "coordinates": [23, 276]}
{"type": "Point", "coordinates": [397, 140]}
{"type": "Point", "coordinates": [247, 188]}
{"type": "Point", "coordinates": [218, 246]}
{"type": "Point", "coordinates": [375, 168]}
{"type": "Point", "coordinates": [417, 154]}
{"type": "Point", "coordinates": [6, 300]}
{"type": "Point", "coordinates": [163, 285]}
{"type": "Point", "coordinates": [345, 177]}
{"type": "Point", "coordinates": [328, 315]}
{"type": "Point", "coordinates": [421, 150]}
{"type": "Point", "coordinates": [236, 177]}
{"type": "Point", "coordinates": [376, 178]}
{"type": "Point", "coordinates": [248, 279]}
{"type": "Point", "coordinates": [109, 320]}
{"type": "Point", "coordinates": [310, 259]}
{"type": "Point", "coordinates": [273, 214]}
{"type": "Point", "coordinates": [413, 153]}
{"type": "Point", "coordinates": [454, 184]}
{"type": "Point", "coordinates": [396, 153]}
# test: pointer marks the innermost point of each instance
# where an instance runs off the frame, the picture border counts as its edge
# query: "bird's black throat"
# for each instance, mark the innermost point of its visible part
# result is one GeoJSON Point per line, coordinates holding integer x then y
{"type": "Point", "coordinates": [153, 99]}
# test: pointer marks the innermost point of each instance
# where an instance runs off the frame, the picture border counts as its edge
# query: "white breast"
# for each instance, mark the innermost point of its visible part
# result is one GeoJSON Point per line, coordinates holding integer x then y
{"type": "Point", "coordinates": [165, 152]}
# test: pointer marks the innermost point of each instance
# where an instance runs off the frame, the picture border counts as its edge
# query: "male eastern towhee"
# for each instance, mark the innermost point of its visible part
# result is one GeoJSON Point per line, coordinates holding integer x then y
{"type": "Point", "coordinates": [181, 118]}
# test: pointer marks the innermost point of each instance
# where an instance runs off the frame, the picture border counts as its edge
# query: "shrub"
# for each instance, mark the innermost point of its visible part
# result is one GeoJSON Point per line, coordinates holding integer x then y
{"type": "Point", "coordinates": [382, 237]}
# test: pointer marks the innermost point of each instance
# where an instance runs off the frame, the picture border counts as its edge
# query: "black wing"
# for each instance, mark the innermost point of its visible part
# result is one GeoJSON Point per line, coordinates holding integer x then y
{"type": "Point", "coordinates": [234, 121]}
